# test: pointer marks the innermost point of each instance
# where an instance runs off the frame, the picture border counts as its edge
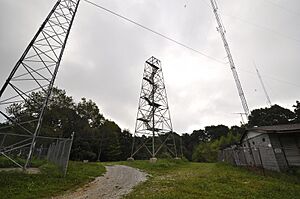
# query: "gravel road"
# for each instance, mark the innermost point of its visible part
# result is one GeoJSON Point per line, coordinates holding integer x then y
{"type": "Point", "coordinates": [116, 182]}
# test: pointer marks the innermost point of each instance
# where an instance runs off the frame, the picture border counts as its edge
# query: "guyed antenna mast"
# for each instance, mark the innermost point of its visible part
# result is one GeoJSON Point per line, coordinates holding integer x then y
{"type": "Point", "coordinates": [222, 31]}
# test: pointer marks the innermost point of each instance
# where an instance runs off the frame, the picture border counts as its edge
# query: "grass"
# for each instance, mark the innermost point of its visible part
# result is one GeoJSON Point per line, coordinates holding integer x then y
{"type": "Point", "coordinates": [178, 179]}
{"type": "Point", "coordinates": [49, 183]}
{"type": "Point", "coordinates": [6, 163]}
{"type": "Point", "coordinates": [169, 179]}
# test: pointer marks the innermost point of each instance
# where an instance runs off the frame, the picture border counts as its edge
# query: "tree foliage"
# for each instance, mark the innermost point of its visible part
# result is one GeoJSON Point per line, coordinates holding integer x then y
{"type": "Point", "coordinates": [97, 138]}
{"type": "Point", "coordinates": [297, 112]}
{"type": "Point", "coordinates": [208, 151]}
{"type": "Point", "coordinates": [63, 116]}
{"type": "Point", "coordinates": [274, 115]}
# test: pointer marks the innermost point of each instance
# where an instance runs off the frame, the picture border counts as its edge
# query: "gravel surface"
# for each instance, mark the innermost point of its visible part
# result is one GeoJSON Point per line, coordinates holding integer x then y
{"type": "Point", "coordinates": [116, 182]}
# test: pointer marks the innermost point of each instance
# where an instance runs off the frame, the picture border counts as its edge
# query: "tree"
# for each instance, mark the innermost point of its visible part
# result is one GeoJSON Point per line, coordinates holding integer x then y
{"type": "Point", "coordinates": [215, 132]}
{"type": "Point", "coordinates": [270, 116]}
{"type": "Point", "coordinates": [297, 112]}
{"type": "Point", "coordinates": [88, 110]}
{"type": "Point", "coordinates": [60, 118]}
{"type": "Point", "coordinates": [125, 139]}
{"type": "Point", "coordinates": [236, 130]}
{"type": "Point", "coordinates": [208, 152]}
{"type": "Point", "coordinates": [190, 141]}
{"type": "Point", "coordinates": [110, 148]}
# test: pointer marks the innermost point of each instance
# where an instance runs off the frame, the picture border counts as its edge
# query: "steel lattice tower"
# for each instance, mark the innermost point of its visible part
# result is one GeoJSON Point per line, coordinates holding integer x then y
{"type": "Point", "coordinates": [222, 32]}
{"type": "Point", "coordinates": [153, 126]}
{"type": "Point", "coordinates": [35, 72]}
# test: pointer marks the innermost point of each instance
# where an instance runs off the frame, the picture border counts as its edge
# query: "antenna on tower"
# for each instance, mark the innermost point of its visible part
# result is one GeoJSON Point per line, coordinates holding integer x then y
{"type": "Point", "coordinates": [263, 86]}
{"type": "Point", "coordinates": [242, 117]}
{"type": "Point", "coordinates": [221, 30]}
{"type": "Point", "coordinates": [153, 129]}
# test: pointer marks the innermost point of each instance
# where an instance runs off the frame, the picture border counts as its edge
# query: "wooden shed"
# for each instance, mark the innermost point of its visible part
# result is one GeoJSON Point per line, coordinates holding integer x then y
{"type": "Point", "coordinates": [272, 147]}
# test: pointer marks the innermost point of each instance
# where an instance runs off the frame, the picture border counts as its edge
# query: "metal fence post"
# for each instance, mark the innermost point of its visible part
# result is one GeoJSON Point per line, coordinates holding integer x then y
{"type": "Point", "coordinates": [69, 151]}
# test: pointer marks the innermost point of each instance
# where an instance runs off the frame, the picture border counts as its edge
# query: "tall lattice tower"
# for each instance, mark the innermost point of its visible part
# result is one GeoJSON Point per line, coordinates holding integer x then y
{"type": "Point", "coordinates": [153, 130]}
{"type": "Point", "coordinates": [222, 31]}
{"type": "Point", "coordinates": [34, 72]}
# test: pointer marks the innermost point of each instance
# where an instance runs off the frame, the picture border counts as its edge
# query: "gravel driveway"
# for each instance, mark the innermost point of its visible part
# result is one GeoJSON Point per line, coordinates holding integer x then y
{"type": "Point", "coordinates": [117, 181]}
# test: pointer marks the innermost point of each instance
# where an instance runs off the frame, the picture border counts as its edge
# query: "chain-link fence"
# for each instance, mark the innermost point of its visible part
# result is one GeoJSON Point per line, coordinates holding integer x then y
{"type": "Point", "coordinates": [55, 150]}
{"type": "Point", "coordinates": [59, 153]}
{"type": "Point", "coordinates": [278, 159]}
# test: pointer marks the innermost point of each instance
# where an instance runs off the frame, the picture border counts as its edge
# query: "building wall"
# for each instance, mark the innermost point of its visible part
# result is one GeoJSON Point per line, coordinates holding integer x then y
{"type": "Point", "coordinates": [272, 151]}
{"type": "Point", "coordinates": [291, 147]}
{"type": "Point", "coordinates": [261, 150]}
{"type": "Point", "coordinates": [279, 151]}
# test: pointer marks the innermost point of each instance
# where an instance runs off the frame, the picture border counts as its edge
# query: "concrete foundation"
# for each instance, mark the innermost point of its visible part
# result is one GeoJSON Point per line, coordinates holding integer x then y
{"type": "Point", "coordinates": [130, 159]}
{"type": "Point", "coordinates": [153, 160]}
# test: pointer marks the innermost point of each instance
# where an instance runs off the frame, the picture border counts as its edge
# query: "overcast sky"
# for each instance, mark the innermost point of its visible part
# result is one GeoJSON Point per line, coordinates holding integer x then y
{"type": "Point", "coordinates": [104, 58]}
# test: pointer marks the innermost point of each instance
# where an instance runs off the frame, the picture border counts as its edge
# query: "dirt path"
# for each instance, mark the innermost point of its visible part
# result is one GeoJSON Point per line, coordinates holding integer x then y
{"type": "Point", "coordinates": [117, 181]}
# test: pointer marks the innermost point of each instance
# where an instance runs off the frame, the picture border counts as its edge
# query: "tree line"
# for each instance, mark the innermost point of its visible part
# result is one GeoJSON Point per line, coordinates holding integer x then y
{"type": "Point", "coordinates": [99, 139]}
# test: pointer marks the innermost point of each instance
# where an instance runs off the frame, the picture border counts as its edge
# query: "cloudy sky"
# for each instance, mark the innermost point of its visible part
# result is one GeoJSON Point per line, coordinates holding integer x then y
{"type": "Point", "coordinates": [104, 57]}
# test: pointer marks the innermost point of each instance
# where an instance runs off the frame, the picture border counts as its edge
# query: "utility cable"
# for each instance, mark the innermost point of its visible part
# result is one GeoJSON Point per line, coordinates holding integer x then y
{"type": "Point", "coordinates": [283, 8]}
{"type": "Point", "coordinates": [271, 77]}
{"type": "Point", "coordinates": [261, 27]}
{"type": "Point", "coordinates": [154, 32]}
{"type": "Point", "coordinates": [179, 43]}
{"type": "Point", "coordinates": [254, 24]}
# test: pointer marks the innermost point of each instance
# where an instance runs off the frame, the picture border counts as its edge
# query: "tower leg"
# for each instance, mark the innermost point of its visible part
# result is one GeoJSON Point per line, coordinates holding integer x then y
{"type": "Point", "coordinates": [35, 72]}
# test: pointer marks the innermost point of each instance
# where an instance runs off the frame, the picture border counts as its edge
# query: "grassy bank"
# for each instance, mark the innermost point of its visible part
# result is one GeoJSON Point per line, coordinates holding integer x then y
{"type": "Point", "coordinates": [49, 182]}
{"type": "Point", "coordinates": [170, 180]}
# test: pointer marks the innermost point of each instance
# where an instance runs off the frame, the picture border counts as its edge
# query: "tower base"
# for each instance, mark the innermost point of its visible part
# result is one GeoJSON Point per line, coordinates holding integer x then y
{"type": "Point", "coordinates": [153, 160]}
{"type": "Point", "coordinates": [130, 159]}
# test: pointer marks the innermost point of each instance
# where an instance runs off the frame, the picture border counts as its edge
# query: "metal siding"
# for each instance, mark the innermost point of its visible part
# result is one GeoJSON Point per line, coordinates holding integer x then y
{"type": "Point", "coordinates": [272, 151]}
{"type": "Point", "coordinates": [291, 149]}
{"type": "Point", "coordinates": [268, 159]}
{"type": "Point", "coordinates": [267, 155]}
{"type": "Point", "coordinates": [278, 151]}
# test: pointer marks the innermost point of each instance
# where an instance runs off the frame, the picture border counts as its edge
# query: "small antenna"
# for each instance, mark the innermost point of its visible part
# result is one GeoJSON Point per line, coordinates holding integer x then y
{"type": "Point", "coordinates": [242, 114]}
{"type": "Point", "coordinates": [263, 86]}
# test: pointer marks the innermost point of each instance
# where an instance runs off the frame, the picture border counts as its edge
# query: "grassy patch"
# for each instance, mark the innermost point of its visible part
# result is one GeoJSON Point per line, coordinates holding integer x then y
{"type": "Point", "coordinates": [49, 183]}
{"type": "Point", "coordinates": [171, 180]}
{"type": "Point", "coordinates": [6, 163]}
{"type": "Point", "coordinates": [160, 166]}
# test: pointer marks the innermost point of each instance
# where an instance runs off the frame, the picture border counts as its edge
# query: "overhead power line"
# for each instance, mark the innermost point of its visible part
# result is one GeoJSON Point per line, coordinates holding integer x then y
{"type": "Point", "coordinates": [180, 43]}
{"type": "Point", "coordinates": [259, 26]}
{"type": "Point", "coordinates": [154, 31]}
{"type": "Point", "coordinates": [283, 8]}
{"type": "Point", "coordinates": [262, 27]}
{"type": "Point", "coordinates": [271, 77]}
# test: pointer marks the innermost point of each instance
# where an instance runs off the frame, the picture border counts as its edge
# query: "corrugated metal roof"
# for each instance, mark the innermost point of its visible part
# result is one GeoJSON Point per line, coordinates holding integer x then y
{"type": "Point", "coordinates": [286, 128]}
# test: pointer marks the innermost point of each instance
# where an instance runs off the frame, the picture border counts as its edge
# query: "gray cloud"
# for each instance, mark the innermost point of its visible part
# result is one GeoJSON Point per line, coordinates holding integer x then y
{"type": "Point", "coordinates": [105, 56]}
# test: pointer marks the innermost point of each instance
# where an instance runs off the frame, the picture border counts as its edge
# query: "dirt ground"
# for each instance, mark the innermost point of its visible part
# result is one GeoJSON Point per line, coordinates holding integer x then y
{"type": "Point", "coordinates": [116, 182]}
